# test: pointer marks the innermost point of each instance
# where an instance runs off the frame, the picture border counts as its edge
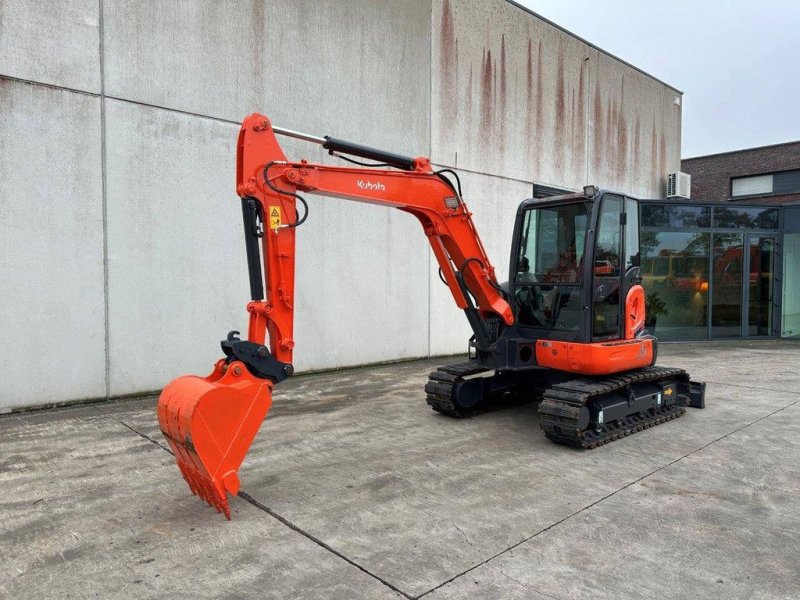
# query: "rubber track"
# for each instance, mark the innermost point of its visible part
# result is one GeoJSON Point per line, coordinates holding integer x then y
{"type": "Point", "coordinates": [441, 382]}
{"type": "Point", "coordinates": [559, 410]}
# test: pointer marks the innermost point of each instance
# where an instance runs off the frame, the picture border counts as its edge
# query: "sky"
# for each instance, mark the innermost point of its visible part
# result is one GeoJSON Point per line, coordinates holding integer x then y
{"type": "Point", "coordinates": [738, 63]}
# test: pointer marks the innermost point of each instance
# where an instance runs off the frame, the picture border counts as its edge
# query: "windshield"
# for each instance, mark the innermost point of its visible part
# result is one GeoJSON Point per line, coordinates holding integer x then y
{"type": "Point", "coordinates": [552, 244]}
{"type": "Point", "coordinates": [549, 267]}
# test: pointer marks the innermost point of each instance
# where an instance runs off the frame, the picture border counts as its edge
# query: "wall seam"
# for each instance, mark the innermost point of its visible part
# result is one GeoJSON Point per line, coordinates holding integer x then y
{"type": "Point", "coordinates": [51, 86]}
{"type": "Point", "coordinates": [103, 96]}
{"type": "Point", "coordinates": [496, 176]}
{"type": "Point", "coordinates": [117, 98]}
{"type": "Point", "coordinates": [104, 196]}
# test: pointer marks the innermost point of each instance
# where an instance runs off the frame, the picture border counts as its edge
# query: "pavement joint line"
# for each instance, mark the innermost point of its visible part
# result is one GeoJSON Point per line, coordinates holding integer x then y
{"type": "Point", "coordinates": [596, 502]}
{"type": "Point", "coordinates": [139, 433]}
{"type": "Point", "coordinates": [248, 498]}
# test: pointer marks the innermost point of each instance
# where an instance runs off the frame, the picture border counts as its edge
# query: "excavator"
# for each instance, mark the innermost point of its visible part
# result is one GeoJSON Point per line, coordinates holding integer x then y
{"type": "Point", "coordinates": [567, 330]}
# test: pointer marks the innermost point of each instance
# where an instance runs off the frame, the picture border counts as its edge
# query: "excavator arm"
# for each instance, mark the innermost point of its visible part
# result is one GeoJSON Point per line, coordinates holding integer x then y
{"type": "Point", "coordinates": [211, 422]}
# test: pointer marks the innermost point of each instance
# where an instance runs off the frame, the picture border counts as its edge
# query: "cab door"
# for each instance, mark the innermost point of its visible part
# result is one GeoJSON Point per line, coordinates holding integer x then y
{"type": "Point", "coordinates": [606, 272]}
{"type": "Point", "coordinates": [616, 264]}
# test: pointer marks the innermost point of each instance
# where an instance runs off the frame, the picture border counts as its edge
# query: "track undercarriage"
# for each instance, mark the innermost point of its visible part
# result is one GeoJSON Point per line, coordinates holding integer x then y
{"type": "Point", "coordinates": [578, 411]}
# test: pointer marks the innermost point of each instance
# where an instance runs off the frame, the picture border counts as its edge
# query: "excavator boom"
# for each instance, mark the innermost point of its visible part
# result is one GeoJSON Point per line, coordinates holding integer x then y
{"type": "Point", "coordinates": [210, 422]}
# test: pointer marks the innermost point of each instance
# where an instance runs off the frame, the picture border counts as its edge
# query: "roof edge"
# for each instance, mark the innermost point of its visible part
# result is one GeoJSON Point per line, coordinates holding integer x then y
{"type": "Point", "coordinates": [591, 45]}
{"type": "Point", "coordinates": [779, 144]}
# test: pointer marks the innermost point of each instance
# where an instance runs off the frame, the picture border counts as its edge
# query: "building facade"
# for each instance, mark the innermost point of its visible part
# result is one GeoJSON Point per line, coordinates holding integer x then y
{"type": "Point", "coordinates": [120, 236]}
{"type": "Point", "coordinates": [764, 175]}
{"type": "Point", "coordinates": [726, 264]}
{"type": "Point", "coordinates": [721, 270]}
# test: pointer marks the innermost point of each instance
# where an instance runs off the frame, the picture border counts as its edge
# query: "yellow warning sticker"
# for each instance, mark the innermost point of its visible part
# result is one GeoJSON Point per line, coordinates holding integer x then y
{"type": "Point", "coordinates": [274, 217]}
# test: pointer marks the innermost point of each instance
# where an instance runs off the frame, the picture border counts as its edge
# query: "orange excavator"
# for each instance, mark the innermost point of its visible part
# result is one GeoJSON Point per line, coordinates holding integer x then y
{"type": "Point", "coordinates": [567, 329]}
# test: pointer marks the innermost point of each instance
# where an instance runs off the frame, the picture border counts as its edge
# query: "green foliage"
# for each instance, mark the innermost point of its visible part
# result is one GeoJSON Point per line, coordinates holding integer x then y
{"type": "Point", "coordinates": [654, 305]}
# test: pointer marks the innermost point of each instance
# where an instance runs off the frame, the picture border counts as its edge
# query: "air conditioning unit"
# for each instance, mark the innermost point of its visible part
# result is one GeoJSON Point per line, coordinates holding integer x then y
{"type": "Point", "coordinates": [679, 185]}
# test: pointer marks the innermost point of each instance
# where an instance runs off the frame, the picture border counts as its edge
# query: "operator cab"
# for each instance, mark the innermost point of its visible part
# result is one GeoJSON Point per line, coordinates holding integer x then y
{"type": "Point", "coordinates": [559, 244]}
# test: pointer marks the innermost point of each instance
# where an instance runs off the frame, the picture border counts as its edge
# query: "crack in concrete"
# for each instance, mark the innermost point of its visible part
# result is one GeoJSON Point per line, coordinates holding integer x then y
{"type": "Point", "coordinates": [509, 577]}
{"type": "Point", "coordinates": [606, 497]}
{"type": "Point", "coordinates": [523, 585]}
{"type": "Point", "coordinates": [451, 522]}
{"type": "Point", "coordinates": [462, 533]}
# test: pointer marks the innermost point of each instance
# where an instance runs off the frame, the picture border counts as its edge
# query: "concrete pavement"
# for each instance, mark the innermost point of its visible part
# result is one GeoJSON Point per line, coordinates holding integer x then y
{"type": "Point", "coordinates": [355, 489]}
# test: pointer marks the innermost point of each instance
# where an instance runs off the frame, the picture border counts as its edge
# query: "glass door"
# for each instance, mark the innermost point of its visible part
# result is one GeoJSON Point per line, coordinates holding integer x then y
{"type": "Point", "coordinates": [759, 286]}
{"type": "Point", "coordinates": [728, 285]}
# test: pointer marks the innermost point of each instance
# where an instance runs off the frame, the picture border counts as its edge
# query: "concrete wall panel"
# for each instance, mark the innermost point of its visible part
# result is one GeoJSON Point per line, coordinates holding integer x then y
{"type": "Point", "coordinates": [509, 93]}
{"type": "Point", "coordinates": [482, 86]}
{"type": "Point", "coordinates": [514, 96]}
{"type": "Point", "coordinates": [357, 69]}
{"type": "Point", "coordinates": [493, 202]}
{"type": "Point", "coordinates": [176, 269]}
{"type": "Point", "coordinates": [635, 128]}
{"type": "Point", "coordinates": [362, 285]}
{"type": "Point", "coordinates": [51, 42]}
{"type": "Point", "coordinates": [51, 246]}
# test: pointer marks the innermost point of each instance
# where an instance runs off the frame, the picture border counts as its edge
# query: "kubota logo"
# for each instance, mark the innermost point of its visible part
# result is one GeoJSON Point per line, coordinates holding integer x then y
{"type": "Point", "coordinates": [368, 185]}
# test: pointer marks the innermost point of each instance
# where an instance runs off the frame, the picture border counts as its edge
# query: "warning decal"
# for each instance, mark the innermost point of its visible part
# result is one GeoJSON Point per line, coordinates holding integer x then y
{"type": "Point", "coordinates": [274, 217]}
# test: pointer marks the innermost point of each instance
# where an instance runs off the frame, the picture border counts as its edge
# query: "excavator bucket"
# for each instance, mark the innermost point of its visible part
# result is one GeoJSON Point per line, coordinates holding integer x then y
{"type": "Point", "coordinates": [210, 423]}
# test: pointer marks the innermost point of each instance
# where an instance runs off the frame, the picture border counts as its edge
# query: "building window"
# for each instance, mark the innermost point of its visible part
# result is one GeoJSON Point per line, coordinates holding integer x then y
{"type": "Point", "coordinates": [675, 216]}
{"type": "Point", "coordinates": [726, 309]}
{"type": "Point", "coordinates": [675, 279]}
{"type": "Point", "coordinates": [751, 186]}
{"type": "Point", "coordinates": [728, 217]}
{"type": "Point", "coordinates": [784, 182]}
{"type": "Point", "coordinates": [791, 274]}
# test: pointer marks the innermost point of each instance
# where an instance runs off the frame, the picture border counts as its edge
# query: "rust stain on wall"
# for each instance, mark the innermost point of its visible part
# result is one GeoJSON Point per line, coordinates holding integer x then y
{"type": "Point", "coordinates": [599, 134]}
{"type": "Point", "coordinates": [448, 61]}
{"type": "Point", "coordinates": [468, 104]}
{"type": "Point", "coordinates": [560, 116]}
{"type": "Point", "coordinates": [609, 125]}
{"type": "Point", "coordinates": [622, 133]}
{"type": "Point", "coordinates": [662, 159]}
{"type": "Point", "coordinates": [573, 111]}
{"type": "Point", "coordinates": [487, 94]}
{"type": "Point", "coordinates": [654, 162]}
{"type": "Point", "coordinates": [637, 140]}
{"type": "Point", "coordinates": [579, 120]}
{"type": "Point", "coordinates": [539, 111]}
{"type": "Point", "coordinates": [258, 25]}
{"type": "Point", "coordinates": [529, 117]}
{"type": "Point", "coordinates": [447, 49]}
{"type": "Point", "coordinates": [502, 94]}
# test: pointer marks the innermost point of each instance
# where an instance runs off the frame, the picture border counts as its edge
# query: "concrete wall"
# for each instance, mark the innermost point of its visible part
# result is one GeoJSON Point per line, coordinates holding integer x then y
{"type": "Point", "coordinates": [122, 262]}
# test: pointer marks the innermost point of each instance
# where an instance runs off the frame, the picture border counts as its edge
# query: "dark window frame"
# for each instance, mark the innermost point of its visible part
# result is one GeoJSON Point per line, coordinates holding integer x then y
{"type": "Point", "coordinates": [713, 229]}
{"type": "Point", "coordinates": [763, 195]}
